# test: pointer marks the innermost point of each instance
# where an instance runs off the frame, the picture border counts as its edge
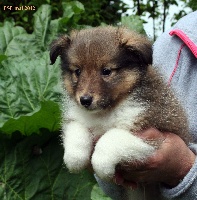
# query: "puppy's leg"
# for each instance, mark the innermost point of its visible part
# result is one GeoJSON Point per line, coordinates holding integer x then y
{"type": "Point", "coordinates": [116, 146]}
{"type": "Point", "coordinates": [77, 144]}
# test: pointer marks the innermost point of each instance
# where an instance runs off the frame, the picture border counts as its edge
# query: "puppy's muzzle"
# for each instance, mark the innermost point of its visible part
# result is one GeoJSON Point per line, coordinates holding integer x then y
{"type": "Point", "coordinates": [86, 100]}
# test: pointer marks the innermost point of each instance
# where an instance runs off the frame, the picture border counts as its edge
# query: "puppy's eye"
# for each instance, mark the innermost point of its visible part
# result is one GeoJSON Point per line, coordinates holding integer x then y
{"type": "Point", "coordinates": [77, 72]}
{"type": "Point", "coordinates": [106, 72]}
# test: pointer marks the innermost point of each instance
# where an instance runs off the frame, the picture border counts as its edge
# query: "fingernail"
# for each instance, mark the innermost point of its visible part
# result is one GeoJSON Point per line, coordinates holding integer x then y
{"type": "Point", "coordinates": [133, 186]}
{"type": "Point", "coordinates": [118, 179]}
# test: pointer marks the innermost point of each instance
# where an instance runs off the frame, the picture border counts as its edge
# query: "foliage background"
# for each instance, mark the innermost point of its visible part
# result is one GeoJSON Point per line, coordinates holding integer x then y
{"type": "Point", "coordinates": [30, 96]}
{"type": "Point", "coordinates": [31, 153]}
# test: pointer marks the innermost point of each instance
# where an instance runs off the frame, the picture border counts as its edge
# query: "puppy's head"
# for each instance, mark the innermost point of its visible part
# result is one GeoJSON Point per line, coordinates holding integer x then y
{"type": "Point", "coordinates": [102, 65]}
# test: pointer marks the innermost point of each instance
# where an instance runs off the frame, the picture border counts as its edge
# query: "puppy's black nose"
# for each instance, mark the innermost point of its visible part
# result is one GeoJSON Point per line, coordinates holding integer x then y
{"type": "Point", "coordinates": [86, 100]}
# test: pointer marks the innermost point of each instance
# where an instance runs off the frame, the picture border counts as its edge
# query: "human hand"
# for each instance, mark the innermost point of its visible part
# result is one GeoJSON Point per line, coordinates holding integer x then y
{"type": "Point", "coordinates": [169, 164]}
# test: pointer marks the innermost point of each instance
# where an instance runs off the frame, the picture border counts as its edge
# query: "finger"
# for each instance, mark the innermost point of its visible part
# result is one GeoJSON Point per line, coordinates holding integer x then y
{"type": "Point", "coordinates": [118, 179]}
{"type": "Point", "coordinates": [132, 166]}
{"type": "Point", "coordinates": [129, 184]}
{"type": "Point", "coordinates": [151, 163]}
{"type": "Point", "coordinates": [138, 176]}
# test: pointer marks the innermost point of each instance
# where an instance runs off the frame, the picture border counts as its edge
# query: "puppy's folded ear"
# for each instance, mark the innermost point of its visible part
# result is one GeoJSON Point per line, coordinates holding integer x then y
{"type": "Point", "coordinates": [58, 46]}
{"type": "Point", "coordinates": [137, 44]}
{"type": "Point", "coordinates": [143, 52]}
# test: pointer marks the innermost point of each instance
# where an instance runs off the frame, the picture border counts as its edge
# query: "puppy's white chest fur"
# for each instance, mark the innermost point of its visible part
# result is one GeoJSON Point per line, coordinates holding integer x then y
{"type": "Point", "coordinates": [123, 116]}
{"type": "Point", "coordinates": [117, 144]}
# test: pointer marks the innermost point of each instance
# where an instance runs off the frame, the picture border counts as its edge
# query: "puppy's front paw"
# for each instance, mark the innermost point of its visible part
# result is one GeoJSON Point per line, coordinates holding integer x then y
{"type": "Point", "coordinates": [77, 146]}
{"type": "Point", "coordinates": [76, 160]}
{"type": "Point", "coordinates": [117, 146]}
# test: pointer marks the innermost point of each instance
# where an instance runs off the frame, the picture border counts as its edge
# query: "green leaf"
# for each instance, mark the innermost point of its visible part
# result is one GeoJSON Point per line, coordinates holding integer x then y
{"type": "Point", "coordinates": [78, 7]}
{"type": "Point", "coordinates": [3, 57]}
{"type": "Point", "coordinates": [48, 117]}
{"type": "Point", "coordinates": [68, 10]}
{"type": "Point", "coordinates": [42, 20]}
{"type": "Point", "coordinates": [8, 37]}
{"type": "Point", "coordinates": [79, 186]}
{"type": "Point", "coordinates": [71, 8]}
{"type": "Point", "coordinates": [133, 22]}
{"type": "Point", "coordinates": [98, 194]}
{"type": "Point", "coordinates": [25, 85]}
{"type": "Point", "coordinates": [53, 31]}
{"type": "Point", "coordinates": [71, 15]}
{"type": "Point", "coordinates": [31, 168]}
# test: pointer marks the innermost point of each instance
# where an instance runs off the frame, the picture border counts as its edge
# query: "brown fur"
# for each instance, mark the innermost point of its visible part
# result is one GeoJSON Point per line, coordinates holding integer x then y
{"type": "Point", "coordinates": [129, 55]}
{"type": "Point", "coordinates": [165, 112]}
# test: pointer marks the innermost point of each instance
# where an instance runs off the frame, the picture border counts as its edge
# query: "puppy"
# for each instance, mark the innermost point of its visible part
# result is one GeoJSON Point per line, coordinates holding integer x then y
{"type": "Point", "coordinates": [112, 93]}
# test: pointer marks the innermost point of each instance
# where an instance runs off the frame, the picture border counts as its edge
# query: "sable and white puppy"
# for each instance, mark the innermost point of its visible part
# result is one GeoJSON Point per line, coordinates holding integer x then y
{"type": "Point", "coordinates": [113, 92]}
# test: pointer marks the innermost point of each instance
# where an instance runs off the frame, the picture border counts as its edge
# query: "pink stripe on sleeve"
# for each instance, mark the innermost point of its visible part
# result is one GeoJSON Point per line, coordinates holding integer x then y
{"type": "Point", "coordinates": [192, 46]}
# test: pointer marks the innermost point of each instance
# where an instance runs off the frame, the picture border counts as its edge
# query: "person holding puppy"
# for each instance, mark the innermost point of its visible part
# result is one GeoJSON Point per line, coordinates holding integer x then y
{"type": "Point", "coordinates": [174, 164]}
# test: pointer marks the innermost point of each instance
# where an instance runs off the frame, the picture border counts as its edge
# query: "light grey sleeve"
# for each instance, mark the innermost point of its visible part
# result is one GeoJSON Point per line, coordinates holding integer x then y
{"type": "Point", "coordinates": [116, 192]}
{"type": "Point", "coordinates": [167, 54]}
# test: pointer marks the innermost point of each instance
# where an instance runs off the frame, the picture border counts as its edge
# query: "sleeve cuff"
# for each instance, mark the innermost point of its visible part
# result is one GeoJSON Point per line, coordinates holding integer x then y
{"type": "Point", "coordinates": [186, 183]}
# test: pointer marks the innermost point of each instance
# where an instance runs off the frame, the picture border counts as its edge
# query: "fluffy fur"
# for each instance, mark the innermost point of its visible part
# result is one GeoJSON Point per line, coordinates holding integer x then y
{"type": "Point", "coordinates": [113, 92]}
